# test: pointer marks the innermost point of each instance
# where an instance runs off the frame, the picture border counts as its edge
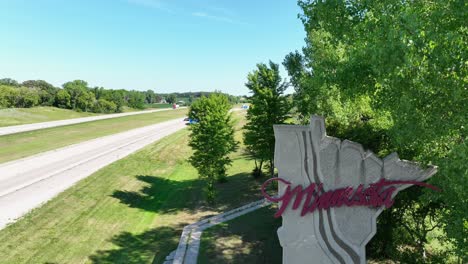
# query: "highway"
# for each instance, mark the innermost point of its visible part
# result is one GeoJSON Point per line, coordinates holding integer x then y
{"type": "Point", "coordinates": [29, 182]}
{"type": "Point", "coordinates": [35, 126]}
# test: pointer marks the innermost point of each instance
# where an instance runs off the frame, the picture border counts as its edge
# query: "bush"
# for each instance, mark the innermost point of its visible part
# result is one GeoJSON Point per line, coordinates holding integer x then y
{"type": "Point", "coordinates": [18, 97]}
{"type": "Point", "coordinates": [104, 106]}
{"type": "Point", "coordinates": [27, 97]}
{"type": "Point", "coordinates": [7, 93]}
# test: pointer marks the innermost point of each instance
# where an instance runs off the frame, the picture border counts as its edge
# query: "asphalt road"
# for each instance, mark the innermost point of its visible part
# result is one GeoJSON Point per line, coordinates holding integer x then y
{"type": "Point", "coordinates": [29, 182]}
{"type": "Point", "coordinates": [35, 126]}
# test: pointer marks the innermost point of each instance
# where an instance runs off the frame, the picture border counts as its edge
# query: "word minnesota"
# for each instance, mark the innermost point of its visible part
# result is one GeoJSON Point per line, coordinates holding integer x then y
{"type": "Point", "coordinates": [375, 195]}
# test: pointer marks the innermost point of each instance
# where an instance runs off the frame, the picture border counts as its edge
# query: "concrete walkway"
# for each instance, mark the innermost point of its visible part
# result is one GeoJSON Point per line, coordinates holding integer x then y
{"type": "Point", "coordinates": [189, 243]}
{"type": "Point", "coordinates": [29, 182]}
{"type": "Point", "coordinates": [35, 126]}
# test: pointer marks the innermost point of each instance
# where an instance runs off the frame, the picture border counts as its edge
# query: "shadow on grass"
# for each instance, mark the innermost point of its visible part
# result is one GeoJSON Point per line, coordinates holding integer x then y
{"type": "Point", "coordinates": [251, 238]}
{"type": "Point", "coordinates": [150, 246]}
{"type": "Point", "coordinates": [169, 197]}
{"type": "Point", "coordinates": [162, 195]}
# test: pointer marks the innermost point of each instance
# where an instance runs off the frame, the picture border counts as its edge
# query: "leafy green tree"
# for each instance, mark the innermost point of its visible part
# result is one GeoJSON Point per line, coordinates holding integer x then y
{"type": "Point", "coordinates": [26, 97]}
{"type": "Point", "coordinates": [212, 139]}
{"type": "Point", "coordinates": [136, 99]}
{"type": "Point", "coordinates": [392, 75]}
{"type": "Point", "coordinates": [85, 101]}
{"type": "Point", "coordinates": [158, 98]}
{"type": "Point", "coordinates": [47, 91]}
{"type": "Point", "coordinates": [268, 107]}
{"type": "Point", "coordinates": [78, 91]}
{"type": "Point", "coordinates": [150, 97]}
{"type": "Point", "coordinates": [170, 99]}
{"type": "Point", "coordinates": [100, 92]}
{"type": "Point", "coordinates": [7, 96]}
{"type": "Point", "coordinates": [63, 99]}
{"type": "Point", "coordinates": [22, 97]}
{"type": "Point", "coordinates": [9, 82]}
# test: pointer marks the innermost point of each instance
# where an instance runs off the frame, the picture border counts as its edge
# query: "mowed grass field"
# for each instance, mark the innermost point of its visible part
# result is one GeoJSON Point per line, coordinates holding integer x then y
{"type": "Point", "coordinates": [131, 211]}
{"type": "Point", "coordinates": [24, 144]}
{"type": "Point", "coordinates": [158, 106]}
{"type": "Point", "coordinates": [20, 116]}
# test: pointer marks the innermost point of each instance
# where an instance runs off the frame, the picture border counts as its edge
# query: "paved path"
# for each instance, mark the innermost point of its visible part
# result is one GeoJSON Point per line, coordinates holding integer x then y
{"type": "Point", "coordinates": [35, 126]}
{"type": "Point", "coordinates": [29, 182]}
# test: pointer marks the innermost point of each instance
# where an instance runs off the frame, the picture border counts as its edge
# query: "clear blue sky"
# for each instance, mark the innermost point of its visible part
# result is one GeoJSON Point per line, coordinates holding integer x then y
{"type": "Point", "coordinates": [164, 45]}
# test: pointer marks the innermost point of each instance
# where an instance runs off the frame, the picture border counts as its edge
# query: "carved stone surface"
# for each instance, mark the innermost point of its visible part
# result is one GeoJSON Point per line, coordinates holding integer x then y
{"type": "Point", "coordinates": [305, 155]}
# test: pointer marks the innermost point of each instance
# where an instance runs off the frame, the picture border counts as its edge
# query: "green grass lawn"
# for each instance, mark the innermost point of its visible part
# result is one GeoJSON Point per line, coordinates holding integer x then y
{"type": "Point", "coordinates": [158, 106]}
{"type": "Point", "coordinates": [131, 211]}
{"type": "Point", "coordinates": [20, 116]}
{"type": "Point", "coordinates": [24, 144]}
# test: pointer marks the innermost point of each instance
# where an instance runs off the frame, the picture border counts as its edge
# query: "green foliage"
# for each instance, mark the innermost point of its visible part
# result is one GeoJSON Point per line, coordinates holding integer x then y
{"type": "Point", "coordinates": [104, 106]}
{"type": "Point", "coordinates": [26, 97]}
{"type": "Point", "coordinates": [171, 98]}
{"type": "Point", "coordinates": [151, 97]}
{"type": "Point", "coordinates": [136, 99]}
{"type": "Point", "coordinates": [9, 82]}
{"type": "Point", "coordinates": [47, 91]}
{"type": "Point", "coordinates": [7, 94]}
{"type": "Point", "coordinates": [268, 107]}
{"type": "Point", "coordinates": [78, 91]}
{"type": "Point", "coordinates": [78, 96]}
{"type": "Point", "coordinates": [63, 99]}
{"type": "Point", "coordinates": [11, 96]}
{"type": "Point", "coordinates": [398, 70]}
{"type": "Point", "coordinates": [115, 96]}
{"type": "Point", "coordinates": [212, 139]}
{"type": "Point", "coordinates": [85, 101]}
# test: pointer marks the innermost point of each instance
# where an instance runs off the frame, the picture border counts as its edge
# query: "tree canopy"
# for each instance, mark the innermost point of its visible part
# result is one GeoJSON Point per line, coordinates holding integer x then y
{"type": "Point", "coordinates": [212, 139]}
{"type": "Point", "coordinates": [393, 76]}
{"type": "Point", "coordinates": [268, 107]}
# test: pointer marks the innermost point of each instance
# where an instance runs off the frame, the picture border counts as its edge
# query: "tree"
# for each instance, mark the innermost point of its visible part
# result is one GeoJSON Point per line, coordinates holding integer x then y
{"type": "Point", "coordinates": [392, 75]}
{"type": "Point", "coordinates": [7, 96]}
{"type": "Point", "coordinates": [85, 101]}
{"type": "Point", "coordinates": [150, 97]}
{"type": "Point", "coordinates": [268, 107]}
{"type": "Point", "coordinates": [63, 99]}
{"type": "Point", "coordinates": [47, 91]}
{"type": "Point", "coordinates": [136, 99]}
{"type": "Point", "coordinates": [171, 99]}
{"type": "Point", "coordinates": [26, 97]}
{"type": "Point", "coordinates": [78, 91]}
{"type": "Point", "coordinates": [9, 82]}
{"type": "Point", "coordinates": [21, 97]}
{"type": "Point", "coordinates": [212, 139]}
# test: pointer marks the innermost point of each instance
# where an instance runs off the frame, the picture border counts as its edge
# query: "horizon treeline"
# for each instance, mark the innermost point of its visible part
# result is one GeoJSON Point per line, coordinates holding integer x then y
{"type": "Point", "coordinates": [79, 96]}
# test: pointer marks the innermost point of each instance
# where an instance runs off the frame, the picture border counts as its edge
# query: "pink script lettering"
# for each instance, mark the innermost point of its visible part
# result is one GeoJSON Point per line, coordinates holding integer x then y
{"type": "Point", "coordinates": [375, 195]}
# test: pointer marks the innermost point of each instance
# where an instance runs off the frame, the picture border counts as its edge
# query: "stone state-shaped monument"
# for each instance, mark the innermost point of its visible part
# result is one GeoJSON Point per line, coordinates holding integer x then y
{"type": "Point", "coordinates": [305, 155]}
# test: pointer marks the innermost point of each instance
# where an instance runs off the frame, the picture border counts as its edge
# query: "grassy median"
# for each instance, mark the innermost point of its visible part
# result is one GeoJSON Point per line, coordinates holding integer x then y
{"type": "Point", "coordinates": [20, 116]}
{"type": "Point", "coordinates": [131, 211]}
{"type": "Point", "coordinates": [24, 144]}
